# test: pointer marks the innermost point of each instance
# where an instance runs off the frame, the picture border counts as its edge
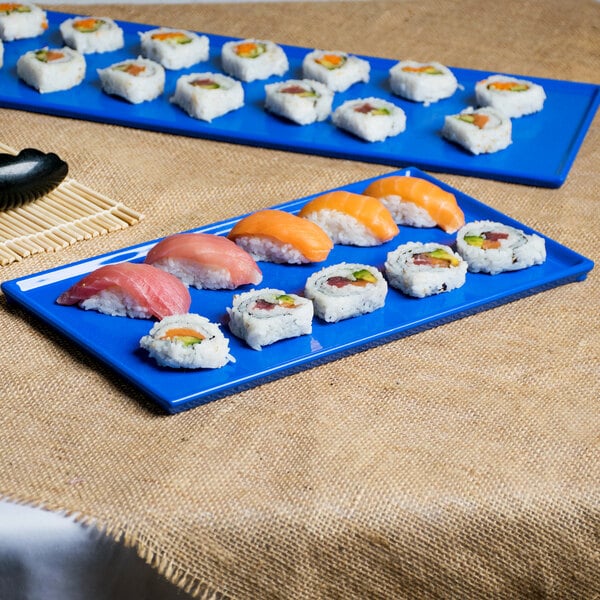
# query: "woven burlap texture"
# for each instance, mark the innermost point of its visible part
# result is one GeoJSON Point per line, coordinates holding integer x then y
{"type": "Point", "coordinates": [461, 462]}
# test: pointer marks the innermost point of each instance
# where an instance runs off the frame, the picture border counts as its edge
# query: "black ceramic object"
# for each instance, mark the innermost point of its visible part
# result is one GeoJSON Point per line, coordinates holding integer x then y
{"type": "Point", "coordinates": [29, 175]}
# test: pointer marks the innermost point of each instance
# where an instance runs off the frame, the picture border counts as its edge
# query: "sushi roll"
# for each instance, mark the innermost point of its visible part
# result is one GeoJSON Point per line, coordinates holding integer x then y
{"type": "Point", "coordinates": [302, 101]}
{"type": "Point", "coordinates": [131, 290]}
{"type": "Point", "coordinates": [263, 317]}
{"type": "Point", "coordinates": [490, 247]}
{"type": "Point", "coordinates": [422, 82]}
{"type": "Point", "coordinates": [423, 269]}
{"type": "Point", "coordinates": [250, 59]}
{"type": "Point", "coordinates": [135, 80]}
{"type": "Point", "coordinates": [205, 261]}
{"type": "Point", "coordinates": [480, 131]}
{"type": "Point", "coordinates": [346, 290]}
{"type": "Point", "coordinates": [51, 70]}
{"type": "Point", "coordinates": [278, 236]}
{"type": "Point", "coordinates": [371, 119]}
{"type": "Point", "coordinates": [187, 341]}
{"type": "Point", "coordinates": [90, 35]}
{"type": "Point", "coordinates": [337, 70]}
{"type": "Point", "coordinates": [20, 20]}
{"type": "Point", "coordinates": [174, 48]}
{"type": "Point", "coordinates": [513, 97]}
{"type": "Point", "coordinates": [206, 96]}
{"type": "Point", "coordinates": [417, 202]}
{"type": "Point", "coordinates": [351, 219]}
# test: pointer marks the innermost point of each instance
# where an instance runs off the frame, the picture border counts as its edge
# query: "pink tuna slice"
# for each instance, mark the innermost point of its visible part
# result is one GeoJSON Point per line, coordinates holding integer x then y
{"type": "Point", "coordinates": [159, 293]}
{"type": "Point", "coordinates": [208, 251]}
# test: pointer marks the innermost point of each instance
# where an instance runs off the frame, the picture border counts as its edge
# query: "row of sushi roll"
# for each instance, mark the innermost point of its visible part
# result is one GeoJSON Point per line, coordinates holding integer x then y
{"type": "Point", "coordinates": [159, 287]}
{"type": "Point", "coordinates": [486, 128]}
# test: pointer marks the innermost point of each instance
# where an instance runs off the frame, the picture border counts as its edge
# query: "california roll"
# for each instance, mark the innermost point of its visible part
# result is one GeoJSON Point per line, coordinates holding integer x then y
{"type": "Point", "coordinates": [490, 247]}
{"type": "Point", "coordinates": [206, 96]}
{"type": "Point", "coordinates": [372, 119]}
{"type": "Point", "coordinates": [422, 82]}
{"type": "Point", "coordinates": [174, 48]}
{"type": "Point", "coordinates": [187, 341]}
{"type": "Point", "coordinates": [302, 101]}
{"type": "Point", "coordinates": [51, 69]}
{"type": "Point", "coordinates": [263, 317]}
{"type": "Point", "coordinates": [423, 269]}
{"type": "Point", "coordinates": [250, 59]}
{"type": "Point", "coordinates": [346, 290]}
{"type": "Point", "coordinates": [513, 97]}
{"type": "Point", "coordinates": [92, 34]}
{"type": "Point", "coordinates": [337, 70]}
{"type": "Point", "coordinates": [136, 80]}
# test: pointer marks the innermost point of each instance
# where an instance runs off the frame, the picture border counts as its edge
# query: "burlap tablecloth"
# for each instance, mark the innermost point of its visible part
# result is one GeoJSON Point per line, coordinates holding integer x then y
{"type": "Point", "coordinates": [461, 462]}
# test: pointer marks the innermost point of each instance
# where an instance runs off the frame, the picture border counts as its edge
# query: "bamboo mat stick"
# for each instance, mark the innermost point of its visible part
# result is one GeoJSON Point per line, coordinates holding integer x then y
{"type": "Point", "coordinates": [68, 214]}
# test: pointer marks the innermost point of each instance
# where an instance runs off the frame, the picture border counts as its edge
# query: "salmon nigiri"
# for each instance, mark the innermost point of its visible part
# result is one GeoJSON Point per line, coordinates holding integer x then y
{"type": "Point", "coordinates": [205, 261]}
{"type": "Point", "coordinates": [129, 289]}
{"type": "Point", "coordinates": [351, 219]}
{"type": "Point", "coordinates": [418, 202]}
{"type": "Point", "coordinates": [278, 236]}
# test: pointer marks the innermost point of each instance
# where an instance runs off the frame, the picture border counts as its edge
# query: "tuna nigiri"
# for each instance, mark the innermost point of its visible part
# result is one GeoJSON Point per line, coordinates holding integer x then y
{"type": "Point", "coordinates": [417, 202]}
{"type": "Point", "coordinates": [204, 260]}
{"type": "Point", "coordinates": [278, 236]}
{"type": "Point", "coordinates": [129, 290]}
{"type": "Point", "coordinates": [351, 219]}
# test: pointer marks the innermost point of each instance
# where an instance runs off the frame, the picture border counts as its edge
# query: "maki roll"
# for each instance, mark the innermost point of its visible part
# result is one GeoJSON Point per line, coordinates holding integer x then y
{"type": "Point", "coordinates": [135, 80]}
{"type": "Point", "coordinates": [300, 100]}
{"type": "Point", "coordinates": [351, 219]}
{"type": "Point", "coordinates": [371, 119]}
{"type": "Point", "coordinates": [480, 131]}
{"type": "Point", "coordinates": [417, 202]}
{"type": "Point", "coordinates": [206, 96]}
{"type": "Point", "coordinates": [280, 237]}
{"type": "Point", "coordinates": [205, 261]}
{"type": "Point", "coordinates": [422, 82]}
{"type": "Point", "coordinates": [346, 290]}
{"type": "Point", "coordinates": [187, 341]}
{"type": "Point", "coordinates": [337, 70]}
{"type": "Point", "coordinates": [421, 270]}
{"type": "Point", "coordinates": [490, 247]}
{"type": "Point", "coordinates": [252, 59]}
{"type": "Point", "coordinates": [513, 97]}
{"type": "Point", "coordinates": [51, 70]}
{"type": "Point", "coordinates": [263, 317]}
{"type": "Point", "coordinates": [174, 48]}
{"type": "Point", "coordinates": [20, 20]}
{"type": "Point", "coordinates": [90, 34]}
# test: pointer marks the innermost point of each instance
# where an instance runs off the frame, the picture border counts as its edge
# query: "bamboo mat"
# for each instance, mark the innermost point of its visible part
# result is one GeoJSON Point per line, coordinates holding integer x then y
{"type": "Point", "coordinates": [70, 213]}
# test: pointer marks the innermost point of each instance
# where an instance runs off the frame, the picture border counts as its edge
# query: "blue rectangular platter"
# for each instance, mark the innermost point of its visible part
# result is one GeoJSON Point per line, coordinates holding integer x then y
{"type": "Point", "coordinates": [543, 150]}
{"type": "Point", "coordinates": [114, 340]}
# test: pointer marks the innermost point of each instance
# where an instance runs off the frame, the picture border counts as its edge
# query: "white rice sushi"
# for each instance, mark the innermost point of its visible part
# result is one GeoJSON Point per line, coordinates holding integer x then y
{"type": "Point", "coordinates": [174, 48]}
{"type": "Point", "coordinates": [92, 34]}
{"type": "Point", "coordinates": [490, 247]}
{"type": "Point", "coordinates": [263, 317]}
{"type": "Point", "coordinates": [20, 20]}
{"type": "Point", "coordinates": [302, 101]}
{"type": "Point", "coordinates": [509, 95]}
{"type": "Point", "coordinates": [480, 131]}
{"type": "Point", "coordinates": [423, 269]}
{"type": "Point", "coordinates": [51, 70]}
{"type": "Point", "coordinates": [136, 80]}
{"type": "Point", "coordinates": [346, 290]}
{"type": "Point", "coordinates": [206, 96]}
{"type": "Point", "coordinates": [187, 341]}
{"type": "Point", "coordinates": [337, 70]}
{"type": "Point", "coordinates": [372, 119]}
{"type": "Point", "coordinates": [251, 59]}
{"type": "Point", "coordinates": [422, 82]}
